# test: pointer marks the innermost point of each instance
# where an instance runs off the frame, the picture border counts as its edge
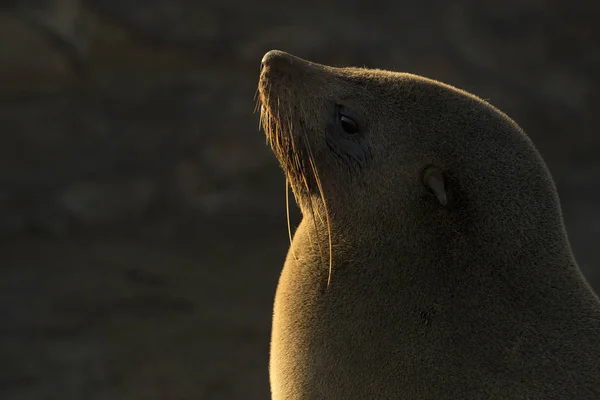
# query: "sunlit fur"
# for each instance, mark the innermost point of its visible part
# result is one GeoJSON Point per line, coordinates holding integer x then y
{"type": "Point", "coordinates": [477, 299]}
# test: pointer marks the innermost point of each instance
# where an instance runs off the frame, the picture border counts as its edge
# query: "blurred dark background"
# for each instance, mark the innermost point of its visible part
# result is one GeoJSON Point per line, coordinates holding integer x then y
{"type": "Point", "coordinates": [142, 217]}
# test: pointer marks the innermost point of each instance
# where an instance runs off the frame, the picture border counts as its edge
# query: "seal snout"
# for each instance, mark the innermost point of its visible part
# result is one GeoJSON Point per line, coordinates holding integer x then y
{"type": "Point", "coordinates": [277, 58]}
{"type": "Point", "coordinates": [281, 63]}
{"type": "Point", "coordinates": [276, 70]}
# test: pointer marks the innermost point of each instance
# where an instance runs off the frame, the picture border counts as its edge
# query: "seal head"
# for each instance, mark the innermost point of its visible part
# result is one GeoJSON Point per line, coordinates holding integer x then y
{"type": "Point", "coordinates": [371, 143]}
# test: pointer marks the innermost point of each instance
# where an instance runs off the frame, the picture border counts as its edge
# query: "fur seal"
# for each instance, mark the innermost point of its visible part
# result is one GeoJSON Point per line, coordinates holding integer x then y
{"type": "Point", "coordinates": [432, 260]}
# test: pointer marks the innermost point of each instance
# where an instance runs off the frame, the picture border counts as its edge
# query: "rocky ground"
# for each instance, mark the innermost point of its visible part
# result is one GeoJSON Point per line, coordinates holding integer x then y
{"type": "Point", "coordinates": [142, 224]}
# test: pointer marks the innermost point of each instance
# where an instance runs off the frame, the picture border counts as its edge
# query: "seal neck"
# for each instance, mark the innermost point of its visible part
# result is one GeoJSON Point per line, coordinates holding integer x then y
{"type": "Point", "coordinates": [430, 252]}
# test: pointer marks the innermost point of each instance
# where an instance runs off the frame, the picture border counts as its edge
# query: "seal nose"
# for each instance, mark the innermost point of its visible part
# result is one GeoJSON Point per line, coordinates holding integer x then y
{"type": "Point", "coordinates": [277, 59]}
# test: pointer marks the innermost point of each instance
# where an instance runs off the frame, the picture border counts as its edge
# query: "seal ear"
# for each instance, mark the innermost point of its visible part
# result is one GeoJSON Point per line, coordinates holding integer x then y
{"type": "Point", "coordinates": [433, 178]}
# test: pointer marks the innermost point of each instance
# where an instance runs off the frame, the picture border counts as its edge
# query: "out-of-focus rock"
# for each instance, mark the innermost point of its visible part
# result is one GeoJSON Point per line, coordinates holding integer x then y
{"type": "Point", "coordinates": [28, 62]}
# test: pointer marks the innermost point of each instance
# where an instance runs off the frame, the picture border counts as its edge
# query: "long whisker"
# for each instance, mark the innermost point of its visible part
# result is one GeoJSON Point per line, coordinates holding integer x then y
{"type": "Point", "coordinates": [318, 181]}
{"type": "Point", "coordinates": [256, 100]}
{"type": "Point", "coordinates": [287, 211]}
{"type": "Point", "coordinates": [301, 172]}
{"type": "Point", "coordinates": [287, 167]}
{"type": "Point", "coordinates": [311, 206]}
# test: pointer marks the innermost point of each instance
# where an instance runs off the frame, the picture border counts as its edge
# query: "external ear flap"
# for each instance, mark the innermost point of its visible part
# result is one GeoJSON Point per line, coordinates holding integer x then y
{"type": "Point", "coordinates": [433, 178]}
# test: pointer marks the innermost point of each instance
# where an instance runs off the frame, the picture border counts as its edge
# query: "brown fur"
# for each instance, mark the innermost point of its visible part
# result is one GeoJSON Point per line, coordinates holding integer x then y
{"type": "Point", "coordinates": [473, 294]}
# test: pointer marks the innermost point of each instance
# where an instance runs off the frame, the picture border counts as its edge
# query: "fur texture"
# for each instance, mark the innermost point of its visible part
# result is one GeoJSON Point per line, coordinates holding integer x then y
{"type": "Point", "coordinates": [477, 298]}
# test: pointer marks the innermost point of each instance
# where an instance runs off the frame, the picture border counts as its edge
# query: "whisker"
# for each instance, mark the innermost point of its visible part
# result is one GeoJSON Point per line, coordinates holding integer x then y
{"type": "Point", "coordinates": [297, 157]}
{"type": "Point", "coordinates": [287, 211]}
{"type": "Point", "coordinates": [318, 181]}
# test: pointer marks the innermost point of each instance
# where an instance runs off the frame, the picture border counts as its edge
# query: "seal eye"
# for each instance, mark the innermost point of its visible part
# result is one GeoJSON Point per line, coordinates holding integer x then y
{"type": "Point", "coordinates": [348, 125]}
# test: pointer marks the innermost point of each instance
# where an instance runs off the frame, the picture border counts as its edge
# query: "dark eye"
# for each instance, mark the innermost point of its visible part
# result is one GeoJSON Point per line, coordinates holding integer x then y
{"type": "Point", "coordinates": [348, 125]}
